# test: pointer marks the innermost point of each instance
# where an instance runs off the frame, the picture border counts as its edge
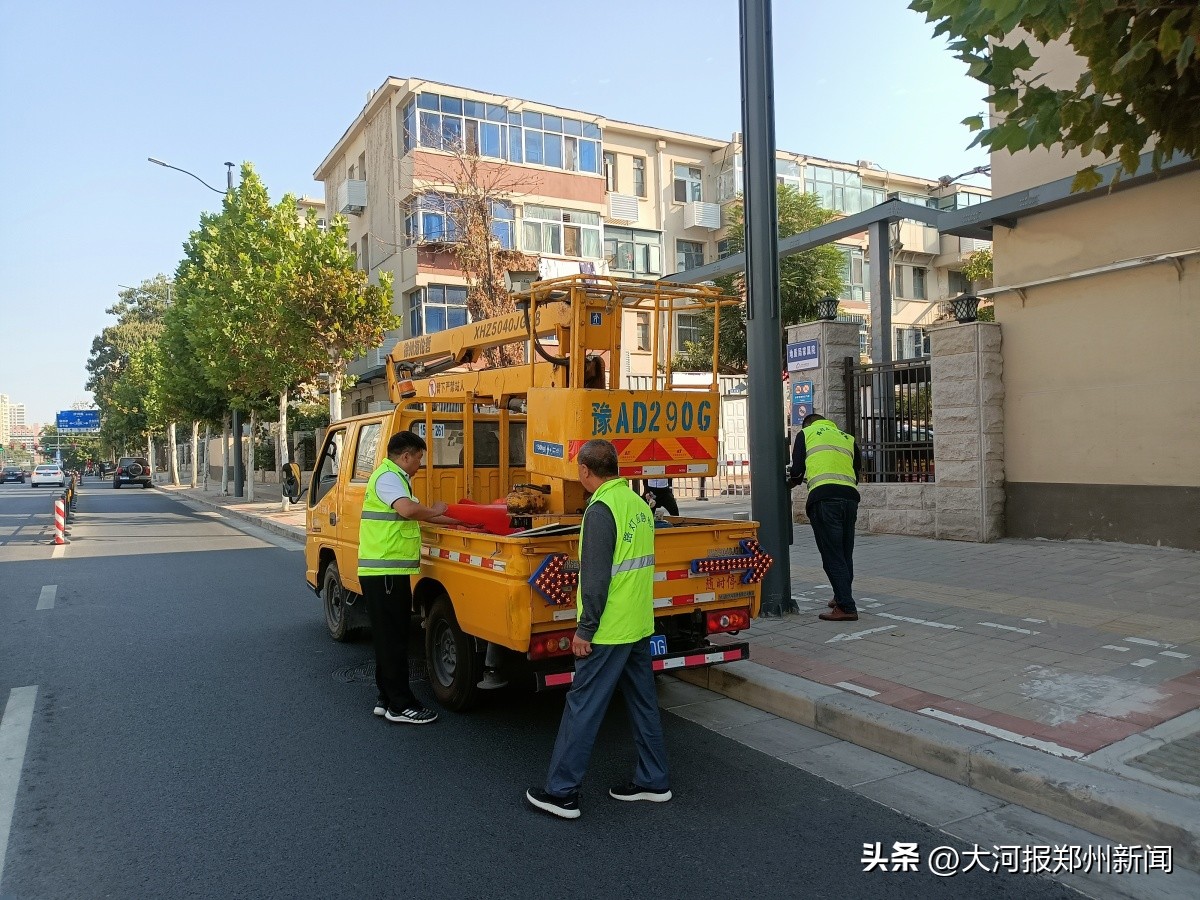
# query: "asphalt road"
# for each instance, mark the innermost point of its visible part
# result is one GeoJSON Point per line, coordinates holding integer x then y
{"type": "Point", "coordinates": [196, 733]}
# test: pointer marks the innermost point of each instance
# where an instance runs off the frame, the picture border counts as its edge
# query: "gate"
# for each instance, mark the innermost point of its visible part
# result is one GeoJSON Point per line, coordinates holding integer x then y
{"type": "Point", "coordinates": [889, 410]}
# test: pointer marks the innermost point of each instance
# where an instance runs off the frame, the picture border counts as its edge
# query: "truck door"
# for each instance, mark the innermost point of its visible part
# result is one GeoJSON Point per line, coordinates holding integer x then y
{"type": "Point", "coordinates": [369, 450]}
{"type": "Point", "coordinates": [324, 511]}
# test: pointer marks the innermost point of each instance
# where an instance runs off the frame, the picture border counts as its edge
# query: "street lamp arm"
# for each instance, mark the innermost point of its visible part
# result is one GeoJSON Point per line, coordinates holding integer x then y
{"type": "Point", "coordinates": [159, 162]}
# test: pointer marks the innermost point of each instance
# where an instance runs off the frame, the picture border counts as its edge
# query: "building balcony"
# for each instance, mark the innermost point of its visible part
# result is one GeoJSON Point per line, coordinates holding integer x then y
{"type": "Point", "coordinates": [918, 238]}
{"type": "Point", "coordinates": [352, 197]}
{"type": "Point", "coordinates": [955, 250]}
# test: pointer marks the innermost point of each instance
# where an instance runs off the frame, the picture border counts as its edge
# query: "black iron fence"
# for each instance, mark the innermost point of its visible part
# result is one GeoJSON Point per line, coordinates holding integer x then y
{"type": "Point", "coordinates": [889, 410]}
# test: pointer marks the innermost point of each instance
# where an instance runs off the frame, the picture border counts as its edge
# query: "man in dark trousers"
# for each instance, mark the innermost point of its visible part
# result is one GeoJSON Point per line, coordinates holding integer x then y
{"type": "Point", "coordinates": [829, 460]}
{"type": "Point", "coordinates": [612, 641]}
{"type": "Point", "coordinates": [389, 551]}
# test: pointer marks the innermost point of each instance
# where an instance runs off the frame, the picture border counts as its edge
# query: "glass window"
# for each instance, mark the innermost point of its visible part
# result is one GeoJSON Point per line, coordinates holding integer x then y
{"type": "Point", "coordinates": [452, 105]}
{"type": "Point", "coordinates": [639, 176]}
{"type": "Point", "coordinates": [552, 123]}
{"type": "Point", "coordinates": [327, 466]}
{"type": "Point", "coordinates": [918, 283]}
{"type": "Point", "coordinates": [724, 248]}
{"type": "Point", "coordinates": [633, 250]}
{"type": "Point", "coordinates": [515, 147]}
{"type": "Point", "coordinates": [473, 108]}
{"type": "Point", "coordinates": [553, 150]}
{"type": "Point", "coordinates": [643, 331]}
{"type": "Point", "coordinates": [490, 143]}
{"type": "Point", "coordinates": [364, 456]}
{"type": "Point", "coordinates": [610, 171]}
{"type": "Point", "coordinates": [688, 182]}
{"type": "Point", "coordinates": [437, 307]}
{"type": "Point", "coordinates": [496, 113]}
{"type": "Point", "coordinates": [589, 160]}
{"type": "Point", "coordinates": [911, 343]}
{"type": "Point", "coordinates": [431, 130]}
{"type": "Point", "coordinates": [533, 146]}
{"type": "Point", "coordinates": [591, 130]}
{"type": "Point", "coordinates": [532, 120]}
{"type": "Point", "coordinates": [429, 101]}
{"type": "Point", "coordinates": [572, 126]}
{"type": "Point", "coordinates": [503, 224]}
{"type": "Point", "coordinates": [687, 329]}
{"type": "Point", "coordinates": [729, 181]}
{"type": "Point", "coordinates": [688, 255]}
{"type": "Point", "coordinates": [452, 137]}
{"type": "Point", "coordinates": [958, 284]}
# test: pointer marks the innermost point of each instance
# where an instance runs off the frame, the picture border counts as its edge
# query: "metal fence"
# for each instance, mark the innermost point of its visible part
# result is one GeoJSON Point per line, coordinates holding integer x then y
{"type": "Point", "coordinates": [889, 408]}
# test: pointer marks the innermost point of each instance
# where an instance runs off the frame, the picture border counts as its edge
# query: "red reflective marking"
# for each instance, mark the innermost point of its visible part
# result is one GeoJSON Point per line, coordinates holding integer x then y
{"type": "Point", "coordinates": [564, 678]}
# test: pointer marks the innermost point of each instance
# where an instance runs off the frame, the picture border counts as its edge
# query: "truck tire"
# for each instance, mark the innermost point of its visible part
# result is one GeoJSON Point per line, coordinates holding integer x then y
{"type": "Point", "coordinates": [333, 597]}
{"type": "Point", "coordinates": [455, 666]}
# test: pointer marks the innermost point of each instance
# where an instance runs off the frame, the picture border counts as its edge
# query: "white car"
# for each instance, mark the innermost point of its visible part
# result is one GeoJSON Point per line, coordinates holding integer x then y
{"type": "Point", "coordinates": [48, 475]}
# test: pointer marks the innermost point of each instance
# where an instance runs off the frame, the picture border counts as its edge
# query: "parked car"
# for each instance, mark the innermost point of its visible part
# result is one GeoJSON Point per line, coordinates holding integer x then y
{"type": "Point", "coordinates": [132, 470]}
{"type": "Point", "coordinates": [13, 473]}
{"type": "Point", "coordinates": [48, 474]}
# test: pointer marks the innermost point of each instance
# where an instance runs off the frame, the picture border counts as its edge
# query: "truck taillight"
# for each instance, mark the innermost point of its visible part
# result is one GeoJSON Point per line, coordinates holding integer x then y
{"type": "Point", "coordinates": [556, 643]}
{"type": "Point", "coordinates": [727, 620]}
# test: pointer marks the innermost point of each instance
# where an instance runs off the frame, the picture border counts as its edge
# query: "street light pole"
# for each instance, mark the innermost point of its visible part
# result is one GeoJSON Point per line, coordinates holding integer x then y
{"type": "Point", "coordinates": [239, 475]}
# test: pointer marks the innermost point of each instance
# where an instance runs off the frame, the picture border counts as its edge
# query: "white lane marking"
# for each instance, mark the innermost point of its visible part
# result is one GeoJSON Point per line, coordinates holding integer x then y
{"type": "Point", "coordinates": [857, 688]}
{"type": "Point", "coordinates": [1012, 736]}
{"type": "Point", "coordinates": [1174, 654]}
{"type": "Point", "coordinates": [1035, 621]}
{"type": "Point", "coordinates": [1008, 628]}
{"type": "Point", "coordinates": [57, 552]}
{"type": "Point", "coordinates": [1114, 647]}
{"type": "Point", "coordinates": [46, 598]}
{"type": "Point", "coordinates": [858, 635]}
{"type": "Point", "coordinates": [1143, 663]}
{"type": "Point", "coordinates": [14, 735]}
{"type": "Point", "coordinates": [916, 621]}
{"type": "Point", "coordinates": [1148, 643]}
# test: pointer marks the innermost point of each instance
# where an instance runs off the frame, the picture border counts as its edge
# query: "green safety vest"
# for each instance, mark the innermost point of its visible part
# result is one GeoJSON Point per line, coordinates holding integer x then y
{"type": "Point", "coordinates": [629, 613]}
{"type": "Point", "coordinates": [828, 455]}
{"type": "Point", "coordinates": [387, 544]}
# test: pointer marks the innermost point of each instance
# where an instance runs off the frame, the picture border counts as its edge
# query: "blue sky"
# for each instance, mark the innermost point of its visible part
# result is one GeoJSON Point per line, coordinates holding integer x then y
{"type": "Point", "coordinates": [89, 90]}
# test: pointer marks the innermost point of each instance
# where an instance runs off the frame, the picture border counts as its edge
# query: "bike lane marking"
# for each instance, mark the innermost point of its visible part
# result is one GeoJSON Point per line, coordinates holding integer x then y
{"type": "Point", "coordinates": [14, 736]}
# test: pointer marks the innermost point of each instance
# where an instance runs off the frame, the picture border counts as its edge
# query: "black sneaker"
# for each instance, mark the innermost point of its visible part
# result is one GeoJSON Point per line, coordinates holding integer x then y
{"type": "Point", "coordinates": [411, 715]}
{"type": "Point", "coordinates": [563, 807]}
{"type": "Point", "coordinates": [631, 791]}
{"type": "Point", "coordinates": [380, 706]}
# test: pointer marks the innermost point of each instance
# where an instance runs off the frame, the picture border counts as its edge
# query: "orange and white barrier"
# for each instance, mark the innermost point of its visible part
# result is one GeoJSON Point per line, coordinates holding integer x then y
{"type": "Point", "coordinates": [60, 522]}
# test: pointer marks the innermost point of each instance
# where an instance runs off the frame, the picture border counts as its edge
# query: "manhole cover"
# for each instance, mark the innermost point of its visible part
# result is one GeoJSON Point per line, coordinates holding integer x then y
{"type": "Point", "coordinates": [1175, 761]}
{"type": "Point", "coordinates": [364, 673]}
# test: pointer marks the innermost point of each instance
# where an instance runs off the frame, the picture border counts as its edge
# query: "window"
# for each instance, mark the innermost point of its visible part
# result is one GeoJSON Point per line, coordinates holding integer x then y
{"type": "Point", "coordinates": [688, 183]}
{"type": "Point", "coordinates": [610, 172]}
{"type": "Point", "coordinates": [362, 166]}
{"type": "Point", "coordinates": [632, 250]}
{"type": "Point", "coordinates": [327, 466]}
{"type": "Point", "coordinates": [562, 232]}
{"type": "Point", "coordinates": [639, 176]}
{"type": "Point", "coordinates": [864, 332]}
{"type": "Point", "coordinates": [957, 283]}
{"type": "Point", "coordinates": [788, 172]}
{"type": "Point", "coordinates": [729, 180]}
{"type": "Point", "coordinates": [898, 288]}
{"type": "Point", "coordinates": [688, 255]}
{"type": "Point", "coordinates": [643, 331]}
{"type": "Point", "coordinates": [918, 290]}
{"type": "Point", "coordinates": [917, 200]}
{"type": "Point", "coordinates": [364, 456]}
{"type": "Point", "coordinates": [432, 217]}
{"type": "Point", "coordinates": [364, 256]}
{"type": "Point", "coordinates": [687, 329]}
{"type": "Point", "coordinates": [504, 224]}
{"type": "Point", "coordinates": [487, 444]}
{"type": "Point", "coordinates": [856, 273]}
{"type": "Point", "coordinates": [911, 343]}
{"type": "Point", "coordinates": [436, 307]}
{"type": "Point", "coordinates": [840, 190]}
{"type": "Point", "coordinates": [960, 200]}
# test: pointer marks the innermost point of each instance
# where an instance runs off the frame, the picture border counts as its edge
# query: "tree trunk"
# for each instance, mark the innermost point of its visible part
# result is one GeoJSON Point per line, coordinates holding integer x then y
{"type": "Point", "coordinates": [225, 428]}
{"type": "Point", "coordinates": [250, 480]}
{"type": "Point", "coordinates": [150, 454]}
{"type": "Point", "coordinates": [337, 374]}
{"type": "Point", "coordinates": [173, 452]}
{"type": "Point", "coordinates": [281, 449]}
{"type": "Point", "coordinates": [195, 451]}
{"type": "Point", "coordinates": [207, 438]}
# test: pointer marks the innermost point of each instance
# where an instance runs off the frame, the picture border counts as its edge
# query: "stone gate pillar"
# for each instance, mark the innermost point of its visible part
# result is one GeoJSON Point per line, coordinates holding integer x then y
{"type": "Point", "coordinates": [968, 430]}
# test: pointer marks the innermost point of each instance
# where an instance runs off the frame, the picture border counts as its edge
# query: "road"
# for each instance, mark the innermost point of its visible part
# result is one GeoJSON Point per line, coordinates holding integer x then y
{"type": "Point", "coordinates": [193, 732]}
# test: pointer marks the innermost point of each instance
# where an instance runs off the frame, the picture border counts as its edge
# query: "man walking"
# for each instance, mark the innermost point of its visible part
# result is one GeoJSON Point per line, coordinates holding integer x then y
{"type": "Point", "coordinates": [828, 459]}
{"type": "Point", "coordinates": [611, 643]}
{"type": "Point", "coordinates": [664, 496]}
{"type": "Point", "coordinates": [389, 551]}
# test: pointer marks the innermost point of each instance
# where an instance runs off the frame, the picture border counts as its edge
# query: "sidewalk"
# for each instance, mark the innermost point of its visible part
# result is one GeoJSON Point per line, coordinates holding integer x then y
{"type": "Point", "coordinates": [1064, 677]}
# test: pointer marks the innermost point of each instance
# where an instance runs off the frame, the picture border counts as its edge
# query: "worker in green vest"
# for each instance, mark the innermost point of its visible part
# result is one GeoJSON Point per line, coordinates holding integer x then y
{"type": "Point", "coordinates": [389, 551]}
{"type": "Point", "coordinates": [828, 459]}
{"type": "Point", "coordinates": [612, 640]}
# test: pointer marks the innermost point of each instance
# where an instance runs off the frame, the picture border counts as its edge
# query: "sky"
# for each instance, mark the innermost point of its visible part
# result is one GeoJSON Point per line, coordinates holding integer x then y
{"type": "Point", "coordinates": [89, 90]}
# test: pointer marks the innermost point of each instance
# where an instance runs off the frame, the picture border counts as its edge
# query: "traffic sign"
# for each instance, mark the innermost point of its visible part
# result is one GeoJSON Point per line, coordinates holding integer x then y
{"type": "Point", "coordinates": [78, 421]}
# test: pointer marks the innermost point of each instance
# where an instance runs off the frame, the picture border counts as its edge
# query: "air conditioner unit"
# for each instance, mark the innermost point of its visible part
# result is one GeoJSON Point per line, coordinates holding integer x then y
{"type": "Point", "coordinates": [380, 406]}
{"type": "Point", "coordinates": [352, 197]}
{"type": "Point", "coordinates": [702, 215]}
{"type": "Point", "coordinates": [622, 208]}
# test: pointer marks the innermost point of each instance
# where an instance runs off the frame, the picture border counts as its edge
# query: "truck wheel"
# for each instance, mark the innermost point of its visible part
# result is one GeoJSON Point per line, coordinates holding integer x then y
{"type": "Point", "coordinates": [455, 666]}
{"type": "Point", "coordinates": [337, 613]}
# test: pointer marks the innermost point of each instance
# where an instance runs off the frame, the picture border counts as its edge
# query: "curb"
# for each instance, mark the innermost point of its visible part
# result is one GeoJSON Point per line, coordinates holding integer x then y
{"type": "Point", "coordinates": [1075, 793]}
{"type": "Point", "coordinates": [294, 532]}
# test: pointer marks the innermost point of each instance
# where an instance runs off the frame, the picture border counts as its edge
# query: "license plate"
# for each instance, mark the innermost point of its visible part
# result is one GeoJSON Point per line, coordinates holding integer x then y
{"type": "Point", "coordinates": [658, 645]}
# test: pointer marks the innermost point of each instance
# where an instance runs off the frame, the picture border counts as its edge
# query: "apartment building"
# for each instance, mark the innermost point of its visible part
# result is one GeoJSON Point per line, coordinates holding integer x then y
{"type": "Point", "coordinates": [6, 413]}
{"type": "Point", "coordinates": [590, 194]}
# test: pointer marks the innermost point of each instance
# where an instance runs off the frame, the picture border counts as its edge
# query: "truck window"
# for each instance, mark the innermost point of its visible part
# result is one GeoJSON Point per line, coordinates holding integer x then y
{"type": "Point", "coordinates": [327, 466]}
{"type": "Point", "coordinates": [364, 456]}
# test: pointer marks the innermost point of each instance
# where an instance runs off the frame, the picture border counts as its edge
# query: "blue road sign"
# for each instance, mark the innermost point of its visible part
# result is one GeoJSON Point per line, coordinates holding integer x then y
{"type": "Point", "coordinates": [78, 421]}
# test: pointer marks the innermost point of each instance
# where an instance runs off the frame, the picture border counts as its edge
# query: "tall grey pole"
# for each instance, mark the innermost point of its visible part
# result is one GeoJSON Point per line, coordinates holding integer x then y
{"type": "Point", "coordinates": [764, 332]}
{"type": "Point", "coordinates": [239, 471]}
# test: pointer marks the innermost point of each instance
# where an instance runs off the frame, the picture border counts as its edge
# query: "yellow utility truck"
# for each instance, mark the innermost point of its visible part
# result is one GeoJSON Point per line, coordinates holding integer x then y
{"type": "Point", "coordinates": [506, 437]}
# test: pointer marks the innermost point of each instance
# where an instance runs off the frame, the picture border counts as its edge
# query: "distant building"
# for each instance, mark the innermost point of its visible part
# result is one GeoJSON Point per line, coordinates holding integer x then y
{"type": "Point", "coordinates": [5, 420]}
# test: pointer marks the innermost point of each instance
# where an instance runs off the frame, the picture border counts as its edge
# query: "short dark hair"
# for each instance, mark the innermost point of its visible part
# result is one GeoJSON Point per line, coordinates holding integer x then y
{"type": "Point", "coordinates": [600, 457]}
{"type": "Point", "coordinates": [405, 442]}
{"type": "Point", "coordinates": [812, 417]}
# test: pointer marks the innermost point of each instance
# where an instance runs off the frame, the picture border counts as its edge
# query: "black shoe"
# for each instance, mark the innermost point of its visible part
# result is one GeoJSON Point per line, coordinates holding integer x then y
{"type": "Point", "coordinates": [411, 715]}
{"type": "Point", "coordinates": [563, 807]}
{"type": "Point", "coordinates": [631, 791]}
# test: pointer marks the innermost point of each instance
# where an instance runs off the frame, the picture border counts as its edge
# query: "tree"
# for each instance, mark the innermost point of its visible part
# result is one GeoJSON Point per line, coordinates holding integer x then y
{"type": "Point", "coordinates": [804, 278]}
{"type": "Point", "coordinates": [1140, 88]}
